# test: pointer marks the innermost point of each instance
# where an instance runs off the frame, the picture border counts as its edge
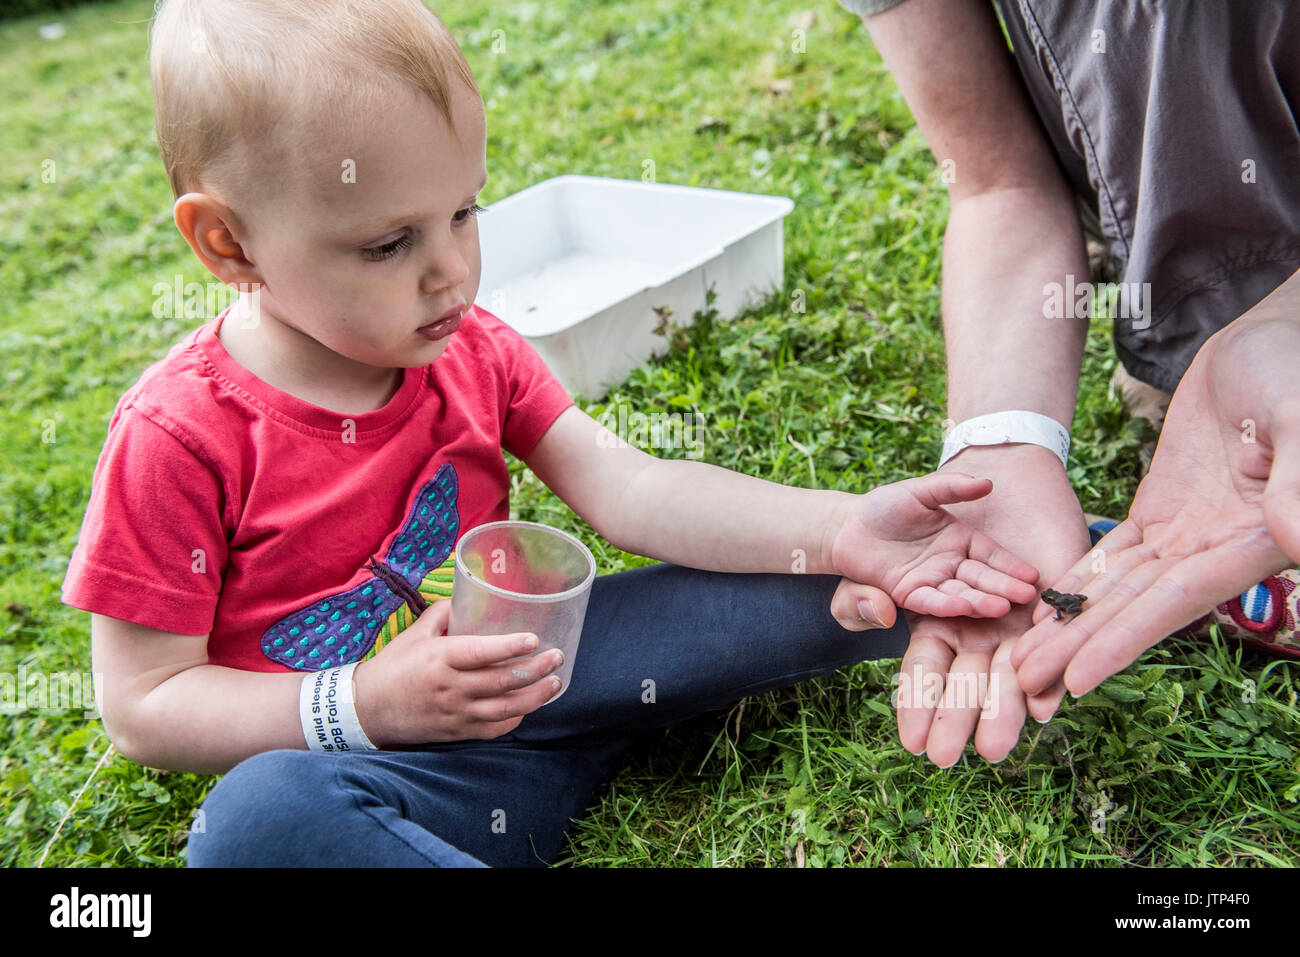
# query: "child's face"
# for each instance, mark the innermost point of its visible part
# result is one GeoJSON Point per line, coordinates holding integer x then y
{"type": "Point", "coordinates": [378, 239]}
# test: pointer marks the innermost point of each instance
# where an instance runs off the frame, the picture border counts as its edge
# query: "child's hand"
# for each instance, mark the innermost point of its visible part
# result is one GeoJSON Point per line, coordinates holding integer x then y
{"type": "Point", "coordinates": [424, 686]}
{"type": "Point", "coordinates": [900, 547]}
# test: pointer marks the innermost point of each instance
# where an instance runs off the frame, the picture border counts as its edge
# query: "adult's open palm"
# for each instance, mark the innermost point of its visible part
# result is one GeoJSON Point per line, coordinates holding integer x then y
{"type": "Point", "coordinates": [1218, 511]}
{"type": "Point", "coordinates": [956, 678]}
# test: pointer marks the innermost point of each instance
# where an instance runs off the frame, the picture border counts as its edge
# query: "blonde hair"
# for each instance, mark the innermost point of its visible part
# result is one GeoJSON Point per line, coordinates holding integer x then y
{"type": "Point", "coordinates": [229, 76]}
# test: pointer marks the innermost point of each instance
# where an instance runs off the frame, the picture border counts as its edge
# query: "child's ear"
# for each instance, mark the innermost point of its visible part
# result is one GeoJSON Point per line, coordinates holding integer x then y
{"type": "Point", "coordinates": [206, 225]}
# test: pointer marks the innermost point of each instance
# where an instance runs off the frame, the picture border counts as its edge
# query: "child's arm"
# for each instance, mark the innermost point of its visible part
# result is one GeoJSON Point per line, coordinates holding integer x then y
{"type": "Point", "coordinates": [689, 513]}
{"type": "Point", "coordinates": [897, 538]}
{"type": "Point", "coordinates": [164, 706]}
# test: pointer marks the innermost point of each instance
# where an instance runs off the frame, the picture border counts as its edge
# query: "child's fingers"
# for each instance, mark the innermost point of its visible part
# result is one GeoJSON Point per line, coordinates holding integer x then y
{"type": "Point", "coordinates": [860, 607]}
{"type": "Point", "coordinates": [432, 621]}
{"type": "Point", "coordinates": [511, 676]}
{"type": "Point", "coordinates": [993, 582]}
{"type": "Point", "coordinates": [983, 605]}
{"type": "Point", "coordinates": [952, 598]}
{"type": "Point", "coordinates": [986, 550]}
{"type": "Point", "coordinates": [928, 600]}
{"type": "Point", "coordinates": [468, 652]}
{"type": "Point", "coordinates": [979, 604]}
{"type": "Point", "coordinates": [514, 704]}
{"type": "Point", "coordinates": [948, 488]}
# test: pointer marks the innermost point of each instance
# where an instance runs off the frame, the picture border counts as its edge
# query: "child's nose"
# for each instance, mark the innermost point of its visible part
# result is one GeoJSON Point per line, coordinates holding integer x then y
{"type": "Point", "coordinates": [447, 267]}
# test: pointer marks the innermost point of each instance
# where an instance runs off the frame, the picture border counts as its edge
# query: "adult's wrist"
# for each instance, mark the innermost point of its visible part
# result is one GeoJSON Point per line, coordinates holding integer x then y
{"type": "Point", "coordinates": [1006, 427]}
{"type": "Point", "coordinates": [1015, 457]}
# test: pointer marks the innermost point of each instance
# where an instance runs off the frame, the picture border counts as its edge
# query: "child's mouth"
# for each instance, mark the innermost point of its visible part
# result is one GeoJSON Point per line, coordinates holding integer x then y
{"type": "Point", "coordinates": [440, 329]}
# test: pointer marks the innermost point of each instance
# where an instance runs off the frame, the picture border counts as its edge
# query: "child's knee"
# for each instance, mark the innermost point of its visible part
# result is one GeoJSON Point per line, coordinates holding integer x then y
{"type": "Point", "coordinates": [262, 806]}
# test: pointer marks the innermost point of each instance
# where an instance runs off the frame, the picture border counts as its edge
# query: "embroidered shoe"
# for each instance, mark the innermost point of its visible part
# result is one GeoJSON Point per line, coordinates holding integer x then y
{"type": "Point", "coordinates": [1264, 615]}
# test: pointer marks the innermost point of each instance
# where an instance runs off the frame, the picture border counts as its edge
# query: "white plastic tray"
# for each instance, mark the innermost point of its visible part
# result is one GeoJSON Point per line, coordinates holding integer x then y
{"type": "Point", "coordinates": [578, 265]}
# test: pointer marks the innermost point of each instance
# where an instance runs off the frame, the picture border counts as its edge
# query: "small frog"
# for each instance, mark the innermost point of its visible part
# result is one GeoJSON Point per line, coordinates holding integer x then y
{"type": "Point", "coordinates": [1064, 602]}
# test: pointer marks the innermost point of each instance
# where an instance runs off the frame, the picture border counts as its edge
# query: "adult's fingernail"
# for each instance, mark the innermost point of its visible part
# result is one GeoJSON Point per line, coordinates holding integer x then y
{"type": "Point", "coordinates": [868, 614]}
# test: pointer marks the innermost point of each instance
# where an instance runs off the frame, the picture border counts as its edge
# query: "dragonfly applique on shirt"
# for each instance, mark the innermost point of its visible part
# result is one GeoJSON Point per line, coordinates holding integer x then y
{"type": "Point", "coordinates": [356, 623]}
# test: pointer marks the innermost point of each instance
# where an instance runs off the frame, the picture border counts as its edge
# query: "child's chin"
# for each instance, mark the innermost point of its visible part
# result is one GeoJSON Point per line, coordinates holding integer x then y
{"type": "Point", "coordinates": [432, 349]}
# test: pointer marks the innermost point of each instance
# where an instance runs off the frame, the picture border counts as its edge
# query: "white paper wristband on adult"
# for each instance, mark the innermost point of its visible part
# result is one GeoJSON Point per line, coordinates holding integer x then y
{"type": "Point", "coordinates": [1002, 428]}
{"type": "Point", "coordinates": [328, 709]}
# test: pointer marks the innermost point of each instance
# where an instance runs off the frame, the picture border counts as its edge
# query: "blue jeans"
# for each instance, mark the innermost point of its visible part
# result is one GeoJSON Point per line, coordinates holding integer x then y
{"type": "Point", "coordinates": [659, 645]}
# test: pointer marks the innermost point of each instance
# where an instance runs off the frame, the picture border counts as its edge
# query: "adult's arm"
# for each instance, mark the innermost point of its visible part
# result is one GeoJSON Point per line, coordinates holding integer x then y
{"type": "Point", "coordinates": [1013, 226]}
{"type": "Point", "coordinates": [1012, 229]}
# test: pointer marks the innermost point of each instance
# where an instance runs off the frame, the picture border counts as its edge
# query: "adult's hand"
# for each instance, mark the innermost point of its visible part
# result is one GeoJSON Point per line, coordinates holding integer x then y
{"type": "Point", "coordinates": [956, 676]}
{"type": "Point", "coordinates": [951, 64]}
{"type": "Point", "coordinates": [1218, 511]}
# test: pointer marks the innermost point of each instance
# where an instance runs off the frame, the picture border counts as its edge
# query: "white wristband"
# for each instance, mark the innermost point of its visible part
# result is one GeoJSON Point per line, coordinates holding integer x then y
{"type": "Point", "coordinates": [1001, 428]}
{"type": "Point", "coordinates": [329, 714]}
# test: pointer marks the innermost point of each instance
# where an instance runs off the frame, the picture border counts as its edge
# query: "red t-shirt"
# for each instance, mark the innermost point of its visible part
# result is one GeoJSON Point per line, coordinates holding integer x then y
{"type": "Point", "coordinates": [221, 505]}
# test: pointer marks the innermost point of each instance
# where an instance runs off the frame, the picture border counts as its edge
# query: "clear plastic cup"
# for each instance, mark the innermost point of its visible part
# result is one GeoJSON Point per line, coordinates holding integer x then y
{"type": "Point", "coordinates": [523, 577]}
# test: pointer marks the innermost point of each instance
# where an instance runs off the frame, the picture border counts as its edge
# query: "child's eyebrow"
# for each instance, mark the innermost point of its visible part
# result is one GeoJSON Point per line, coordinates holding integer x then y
{"type": "Point", "coordinates": [376, 229]}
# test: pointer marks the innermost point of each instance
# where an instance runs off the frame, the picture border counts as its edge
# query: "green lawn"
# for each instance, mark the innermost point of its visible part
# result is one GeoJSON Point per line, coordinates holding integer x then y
{"type": "Point", "coordinates": [1187, 757]}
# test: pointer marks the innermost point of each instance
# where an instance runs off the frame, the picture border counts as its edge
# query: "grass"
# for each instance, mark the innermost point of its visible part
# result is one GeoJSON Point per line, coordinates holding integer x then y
{"type": "Point", "coordinates": [1187, 758]}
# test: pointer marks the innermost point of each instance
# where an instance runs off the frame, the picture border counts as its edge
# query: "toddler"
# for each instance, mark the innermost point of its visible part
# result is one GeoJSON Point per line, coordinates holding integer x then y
{"type": "Point", "coordinates": [280, 496]}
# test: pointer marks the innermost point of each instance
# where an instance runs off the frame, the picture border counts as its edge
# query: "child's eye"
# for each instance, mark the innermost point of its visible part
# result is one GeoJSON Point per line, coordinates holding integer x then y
{"type": "Point", "coordinates": [387, 250]}
{"type": "Point", "coordinates": [461, 215]}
